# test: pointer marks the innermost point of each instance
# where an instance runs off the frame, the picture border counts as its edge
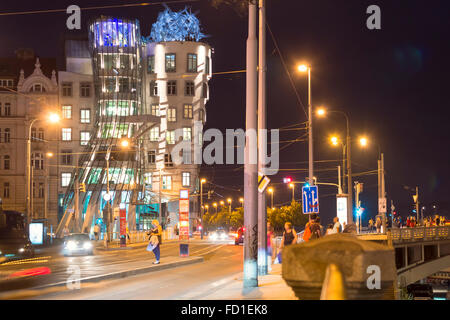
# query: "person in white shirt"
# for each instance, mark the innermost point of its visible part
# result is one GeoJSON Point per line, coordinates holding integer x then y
{"type": "Point", "coordinates": [337, 225]}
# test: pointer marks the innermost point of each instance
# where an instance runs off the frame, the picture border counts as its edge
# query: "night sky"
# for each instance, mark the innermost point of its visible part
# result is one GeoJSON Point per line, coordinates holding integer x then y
{"type": "Point", "coordinates": [393, 83]}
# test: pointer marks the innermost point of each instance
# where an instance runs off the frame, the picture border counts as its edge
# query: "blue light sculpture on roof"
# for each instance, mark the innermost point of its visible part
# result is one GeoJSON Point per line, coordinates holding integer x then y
{"type": "Point", "coordinates": [176, 26]}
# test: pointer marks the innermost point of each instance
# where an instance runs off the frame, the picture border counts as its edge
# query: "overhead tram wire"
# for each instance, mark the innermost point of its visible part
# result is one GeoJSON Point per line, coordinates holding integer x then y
{"type": "Point", "coordinates": [141, 4]}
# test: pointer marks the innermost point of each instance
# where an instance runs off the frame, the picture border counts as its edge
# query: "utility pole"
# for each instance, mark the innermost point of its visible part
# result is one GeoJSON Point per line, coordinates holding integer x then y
{"type": "Point", "coordinates": [310, 133]}
{"type": "Point", "coordinates": [77, 201]}
{"type": "Point", "coordinates": [349, 176]}
{"type": "Point", "coordinates": [262, 144]}
{"type": "Point", "coordinates": [250, 278]}
{"type": "Point", "coordinates": [417, 203]}
{"type": "Point", "coordinates": [383, 191]}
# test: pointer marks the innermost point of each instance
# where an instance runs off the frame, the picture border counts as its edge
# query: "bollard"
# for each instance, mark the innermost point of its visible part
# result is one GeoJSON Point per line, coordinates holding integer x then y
{"type": "Point", "coordinates": [304, 267]}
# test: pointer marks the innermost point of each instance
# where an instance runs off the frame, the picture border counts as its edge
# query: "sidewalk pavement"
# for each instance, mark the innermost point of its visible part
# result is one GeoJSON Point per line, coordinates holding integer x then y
{"type": "Point", "coordinates": [270, 287]}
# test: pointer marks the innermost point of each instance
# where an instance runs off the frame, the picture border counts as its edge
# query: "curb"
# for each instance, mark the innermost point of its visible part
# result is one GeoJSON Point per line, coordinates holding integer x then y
{"type": "Point", "coordinates": [130, 272]}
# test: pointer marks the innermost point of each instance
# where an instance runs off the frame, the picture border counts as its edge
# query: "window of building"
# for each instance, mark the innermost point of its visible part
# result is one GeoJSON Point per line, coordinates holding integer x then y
{"type": "Point", "coordinates": [189, 88]}
{"type": "Point", "coordinates": [207, 65]}
{"type": "Point", "coordinates": [41, 190]}
{"type": "Point", "coordinates": [124, 61]}
{"type": "Point", "coordinates": [153, 88]}
{"type": "Point", "coordinates": [186, 179]}
{"type": "Point", "coordinates": [124, 85]}
{"type": "Point", "coordinates": [200, 138]}
{"type": "Point", "coordinates": [85, 136]}
{"type": "Point", "coordinates": [191, 62]}
{"type": "Point", "coordinates": [67, 89]}
{"type": "Point", "coordinates": [151, 64]}
{"type": "Point", "coordinates": [187, 157]}
{"type": "Point", "coordinates": [37, 161]}
{"type": "Point", "coordinates": [7, 109]}
{"type": "Point", "coordinates": [170, 62]}
{"type": "Point", "coordinates": [85, 115]}
{"type": "Point", "coordinates": [33, 134]}
{"type": "Point", "coordinates": [7, 135]}
{"type": "Point", "coordinates": [41, 134]}
{"type": "Point", "coordinates": [6, 162]}
{"type": "Point", "coordinates": [187, 111]}
{"type": "Point", "coordinates": [37, 88]}
{"type": "Point", "coordinates": [6, 82]}
{"type": "Point", "coordinates": [168, 160]}
{"type": "Point", "coordinates": [110, 84]}
{"type": "Point", "coordinates": [66, 157]}
{"type": "Point", "coordinates": [166, 182]}
{"type": "Point", "coordinates": [205, 90]}
{"type": "Point", "coordinates": [65, 179]}
{"type": "Point", "coordinates": [155, 110]}
{"type": "Point", "coordinates": [66, 134]}
{"type": "Point", "coordinates": [172, 115]}
{"type": "Point", "coordinates": [85, 89]}
{"type": "Point", "coordinates": [151, 155]}
{"type": "Point", "coordinates": [201, 115]}
{"type": "Point", "coordinates": [187, 134]}
{"type": "Point", "coordinates": [154, 134]}
{"type": "Point", "coordinates": [171, 88]}
{"type": "Point", "coordinates": [170, 136]}
{"type": "Point", "coordinates": [0, 135]}
{"type": "Point", "coordinates": [67, 112]}
{"type": "Point", "coordinates": [6, 190]}
{"type": "Point", "coordinates": [148, 178]}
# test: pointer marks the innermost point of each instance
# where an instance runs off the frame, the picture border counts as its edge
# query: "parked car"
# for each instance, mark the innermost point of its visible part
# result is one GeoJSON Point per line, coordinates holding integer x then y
{"type": "Point", "coordinates": [15, 245]}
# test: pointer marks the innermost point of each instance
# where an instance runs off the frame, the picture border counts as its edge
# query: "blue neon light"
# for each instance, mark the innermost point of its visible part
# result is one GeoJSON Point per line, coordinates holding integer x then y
{"type": "Point", "coordinates": [115, 33]}
{"type": "Point", "coordinates": [176, 26]}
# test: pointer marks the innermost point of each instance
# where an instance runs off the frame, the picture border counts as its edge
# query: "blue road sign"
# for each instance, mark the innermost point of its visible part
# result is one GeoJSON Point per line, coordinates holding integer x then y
{"type": "Point", "coordinates": [310, 201]}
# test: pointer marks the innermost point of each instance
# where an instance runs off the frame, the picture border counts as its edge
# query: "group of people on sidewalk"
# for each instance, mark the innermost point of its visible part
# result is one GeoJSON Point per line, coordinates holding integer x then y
{"type": "Point", "coordinates": [412, 222]}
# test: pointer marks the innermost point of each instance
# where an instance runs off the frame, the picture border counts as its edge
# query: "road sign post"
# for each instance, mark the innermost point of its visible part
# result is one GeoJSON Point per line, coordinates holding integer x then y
{"type": "Point", "coordinates": [310, 196]}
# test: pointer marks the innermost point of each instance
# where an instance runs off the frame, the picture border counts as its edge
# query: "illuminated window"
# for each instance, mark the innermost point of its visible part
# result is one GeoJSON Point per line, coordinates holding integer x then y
{"type": "Point", "coordinates": [67, 112]}
{"type": "Point", "coordinates": [170, 62]}
{"type": "Point", "coordinates": [187, 111]}
{"type": "Point", "coordinates": [65, 179]}
{"type": "Point", "coordinates": [171, 88]}
{"type": "Point", "coordinates": [187, 134]}
{"type": "Point", "coordinates": [41, 134]}
{"type": "Point", "coordinates": [155, 110]}
{"type": "Point", "coordinates": [37, 160]}
{"type": "Point", "coordinates": [172, 115]}
{"type": "Point", "coordinates": [170, 136]}
{"type": "Point", "coordinates": [66, 134]}
{"type": "Point", "coordinates": [191, 62]}
{"type": "Point", "coordinates": [154, 134]}
{"type": "Point", "coordinates": [189, 88]}
{"type": "Point", "coordinates": [186, 179]}
{"type": "Point", "coordinates": [85, 136]}
{"type": "Point", "coordinates": [148, 178]}
{"type": "Point", "coordinates": [85, 115]}
{"type": "Point", "coordinates": [166, 182]}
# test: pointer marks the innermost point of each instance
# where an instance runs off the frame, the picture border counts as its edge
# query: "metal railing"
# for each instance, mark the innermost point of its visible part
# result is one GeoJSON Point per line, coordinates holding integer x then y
{"type": "Point", "coordinates": [420, 233]}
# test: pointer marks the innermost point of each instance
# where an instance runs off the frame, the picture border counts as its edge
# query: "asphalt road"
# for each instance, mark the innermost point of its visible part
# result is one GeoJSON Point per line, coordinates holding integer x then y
{"type": "Point", "coordinates": [103, 262]}
{"type": "Point", "coordinates": [222, 263]}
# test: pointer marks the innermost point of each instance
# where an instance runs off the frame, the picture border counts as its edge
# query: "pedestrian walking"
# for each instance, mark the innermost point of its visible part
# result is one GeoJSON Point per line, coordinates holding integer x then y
{"type": "Point", "coordinates": [307, 232]}
{"type": "Point", "coordinates": [316, 229]}
{"type": "Point", "coordinates": [289, 237]}
{"type": "Point", "coordinates": [271, 251]}
{"type": "Point", "coordinates": [156, 231]}
{"type": "Point", "coordinates": [96, 232]}
{"type": "Point", "coordinates": [378, 225]}
{"type": "Point", "coordinates": [371, 224]}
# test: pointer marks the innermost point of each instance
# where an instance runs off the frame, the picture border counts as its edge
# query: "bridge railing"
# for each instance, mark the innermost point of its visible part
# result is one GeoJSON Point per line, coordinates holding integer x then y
{"type": "Point", "coordinates": [420, 233]}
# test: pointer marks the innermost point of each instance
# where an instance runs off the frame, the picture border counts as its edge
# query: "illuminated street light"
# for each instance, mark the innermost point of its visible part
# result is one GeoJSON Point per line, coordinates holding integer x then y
{"type": "Point", "coordinates": [302, 68]}
{"type": "Point", "coordinates": [321, 112]}
{"type": "Point", "coordinates": [334, 140]}
{"type": "Point", "coordinates": [49, 154]}
{"type": "Point", "coordinates": [53, 118]}
{"type": "Point", "coordinates": [124, 142]}
{"type": "Point", "coordinates": [363, 141]}
{"type": "Point", "coordinates": [292, 186]}
{"type": "Point", "coordinates": [241, 200]}
{"type": "Point", "coordinates": [215, 206]}
{"type": "Point", "coordinates": [270, 190]}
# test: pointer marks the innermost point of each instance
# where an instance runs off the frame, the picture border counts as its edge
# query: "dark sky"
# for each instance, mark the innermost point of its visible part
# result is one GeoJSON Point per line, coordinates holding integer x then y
{"type": "Point", "coordinates": [393, 83]}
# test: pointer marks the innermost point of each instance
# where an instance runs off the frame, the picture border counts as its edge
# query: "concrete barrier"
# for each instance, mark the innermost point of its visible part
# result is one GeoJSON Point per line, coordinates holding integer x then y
{"type": "Point", "coordinates": [304, 266]}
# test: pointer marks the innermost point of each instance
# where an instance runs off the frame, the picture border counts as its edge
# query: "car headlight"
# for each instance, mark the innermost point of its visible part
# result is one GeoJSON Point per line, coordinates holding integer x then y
{"type": "Point", "coordinates": [87, 245]}
{"type": "Point", "coordinates": [21, 250]}
{"type": "Point", "coordinates": [223, 236]}
{"type": "Point", "coordinates": [214, 236]}
{"type": "Point", "coordinates": [71, 245]}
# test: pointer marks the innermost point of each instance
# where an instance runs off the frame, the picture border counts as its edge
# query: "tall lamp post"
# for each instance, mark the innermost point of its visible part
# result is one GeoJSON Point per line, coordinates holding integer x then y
{"type": "Point", "coordinates": [202, 181]}
{"type": "Point", "coordinates": [53, 118]}
{"type": "Point", "coordinates": [305, 68]}
{"type": "Point", "coordinates": [215, 206]}
{"type": "Point", "coordinates": [292, 186]}
{"type": "Point", "coordinates": [322, 112]}
{"type": "Point", "coordinates": [229, 208]}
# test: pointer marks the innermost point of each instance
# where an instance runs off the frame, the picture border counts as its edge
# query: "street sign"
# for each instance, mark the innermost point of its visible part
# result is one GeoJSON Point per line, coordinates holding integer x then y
{"type": "Point", "coordinates": [310, 195]}
{"type": "Point", "coordinates": [382, 205]}
{"type": "Point", "coordinates": [263, 182]}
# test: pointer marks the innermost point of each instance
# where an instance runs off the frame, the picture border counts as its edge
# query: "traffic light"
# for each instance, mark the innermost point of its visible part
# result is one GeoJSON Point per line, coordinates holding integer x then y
{"type": "Point", "coordinates": [287, 180]}
{"type": "Point", "coordinates": [82, 187]}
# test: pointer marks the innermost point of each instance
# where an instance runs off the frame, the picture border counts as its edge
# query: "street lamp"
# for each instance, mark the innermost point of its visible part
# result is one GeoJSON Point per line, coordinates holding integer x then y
{"type": "Point", "coordinates": [241, 200]}
{"type": "Point", "coordinates": [363, 141]}
{"type": "Point", "coordinates": [322, 112]}
{"type": "Point", "coordinates": [270, 190]}
{"type": "Point", "coordinates": [52, 118]}
{"type": "Point", "coordinates": [202, 181]}
{"type": "Point", "coordinates": [206, 207]}
{"type": "Point", "coordinates": [215, 206]}
{"type": "Point", "coordinates": [292, 186]}
{"type": "Point", "coordinates": [222, 203]}
{"type": "Point", "coordinates": [305, 68]}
